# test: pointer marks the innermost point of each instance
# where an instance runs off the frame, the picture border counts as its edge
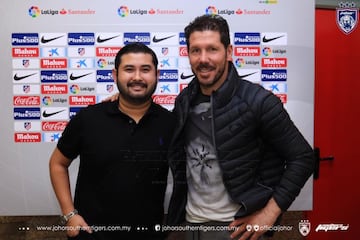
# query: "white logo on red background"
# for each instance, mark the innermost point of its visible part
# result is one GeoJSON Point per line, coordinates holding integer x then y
{"type": "Point", "coordinates": [26, 100]}
{"type": "Point", "coordinates": [183, 52]}
{"type": "Point", "coordinates": [27, 137]}
{"type": "Point", "coordinates": [25, 52]}
{"type": "Point", "coordinates": [57, 126]}
{"type": "Point", "coordinates": [82, 100]}
{"type": "Point", "coordinates": [164, 99]}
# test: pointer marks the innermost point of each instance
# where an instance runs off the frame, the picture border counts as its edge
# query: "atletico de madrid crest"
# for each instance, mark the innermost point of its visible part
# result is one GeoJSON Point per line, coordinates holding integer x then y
{"type": "Point", "coordinates": [347, 17]}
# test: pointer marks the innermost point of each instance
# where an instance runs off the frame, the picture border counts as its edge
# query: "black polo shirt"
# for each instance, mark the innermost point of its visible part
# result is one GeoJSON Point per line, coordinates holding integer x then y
{"type": "Point", "coordinates": [123, 165]}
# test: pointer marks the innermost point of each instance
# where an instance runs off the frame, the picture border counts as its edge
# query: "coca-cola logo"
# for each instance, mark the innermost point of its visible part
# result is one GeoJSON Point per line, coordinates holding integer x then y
{"type": "Point", "coordinates": [164, 99]}
{"type": "Point", "coordinates": [26, 100]}
{"type": "Point", "coordinates": [57, 126]}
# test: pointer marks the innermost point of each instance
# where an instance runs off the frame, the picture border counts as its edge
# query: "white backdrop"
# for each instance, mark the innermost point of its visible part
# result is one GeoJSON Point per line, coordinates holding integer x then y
{"type": "Point", "coordinates": [56, 56]}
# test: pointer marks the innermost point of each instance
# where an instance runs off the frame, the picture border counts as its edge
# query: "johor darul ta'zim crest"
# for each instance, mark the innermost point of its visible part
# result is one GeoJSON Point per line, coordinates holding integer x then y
{"type": "Point", "coordinates": [347, 17]}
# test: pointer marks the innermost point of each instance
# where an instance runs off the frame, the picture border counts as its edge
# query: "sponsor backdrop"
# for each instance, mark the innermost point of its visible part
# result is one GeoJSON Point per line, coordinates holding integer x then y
{"type": "Point", "coordinates": [57, 56]}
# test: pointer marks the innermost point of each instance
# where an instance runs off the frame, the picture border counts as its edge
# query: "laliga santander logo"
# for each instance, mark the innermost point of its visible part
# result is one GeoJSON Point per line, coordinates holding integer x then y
{"type": "Point", "coordinates": [101, 63]}
{"type": "Point", "coordinates": [123, 11]}
{"type": "Point", "coordinates": [34, 11]}
{"type": "Point", "coordinates": [267, 51]}
{"type": "Point", "coordinates": [239, 62]}
{"type": "Point", "coordinates": [211, 10]}
{"type": "Point", "coordinates": [74, 89]}
{"type": "Point", "coordinates": [47, 100]}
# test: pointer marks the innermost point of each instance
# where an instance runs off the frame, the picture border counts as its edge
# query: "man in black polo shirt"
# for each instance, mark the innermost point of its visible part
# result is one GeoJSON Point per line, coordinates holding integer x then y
{"type": "Point", "coordinates": [122, 147]}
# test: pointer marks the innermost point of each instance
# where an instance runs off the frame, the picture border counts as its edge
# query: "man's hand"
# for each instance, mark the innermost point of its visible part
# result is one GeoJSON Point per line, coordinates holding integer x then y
{"type": "Point", "coordinates": [112, 98]}
{"type": "Point", "coordinates": [253, 226]}
{"type": "Point", "coordinates": [75, 224]}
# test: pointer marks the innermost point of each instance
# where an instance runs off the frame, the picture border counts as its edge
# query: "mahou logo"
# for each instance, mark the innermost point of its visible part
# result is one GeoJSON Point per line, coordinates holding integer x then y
{"type": "Point", "coordinates": [57, 126]}
{"type": "Point", "coordinates": [247, 51]}
{"type": "Point", "coordinates": [82, 100]}
{"type": "Point", "coordinates": [25, 52]}
{"type": "Point", "coordinates": [27, 137]}
{"type": "Point", "coordinates": [274, 62]}
{"type": "Point", "coordinates": [26, 100]}
{"type": "Point", "coordinates": [53, 63]}
{"type": "Point", "coordinates": [107, 51]}
{"type": "Point", "coordinates": [54, 89]}
{"type": "Point", "coordinates": [164, 99]}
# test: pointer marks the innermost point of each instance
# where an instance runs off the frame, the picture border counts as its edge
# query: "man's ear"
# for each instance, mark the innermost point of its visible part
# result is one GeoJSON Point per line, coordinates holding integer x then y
{"type": "Point", "coordinates": [229, 51]}
{"type": "Point", "coordinates": [157, 74]}
{"type": "Point", "coordinates": [114, 75]}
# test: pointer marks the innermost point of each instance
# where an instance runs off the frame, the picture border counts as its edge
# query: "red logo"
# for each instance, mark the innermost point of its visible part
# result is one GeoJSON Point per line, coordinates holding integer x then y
{"type": "Point", "coordinates": [247, 51]}
{"type": "Point", "coordinates": [183, 51]}
{"type": "Point", "coordinates": [107, 51]}
{"type": "Point", "coordinates": [25, 52]}
{"type": "Point", "coordinates": [182, 86]}
{"type": "Point", "coordinates": [53, 63]}
{"type": "Point", "coordinates": [283, 97]}
{"type": "Point", "coordinates": [27, 137]}
{"type": "Point", "coordinates": [26, 100]}
{"type": "Point", "coordinates": [82, 100]}
{"type": "Point", "coordinates": [164, 99]}
{"type": "Point", "coordinates": [274, 62]}
{"type": "Point", "coordinates": [54, 126]}
{"type": "Point", "coordinates": [54, 89]}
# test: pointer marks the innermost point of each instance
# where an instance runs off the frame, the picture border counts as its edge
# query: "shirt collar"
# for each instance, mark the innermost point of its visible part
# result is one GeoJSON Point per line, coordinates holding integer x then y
{"type": "Point", "coordinates": [112, 108]}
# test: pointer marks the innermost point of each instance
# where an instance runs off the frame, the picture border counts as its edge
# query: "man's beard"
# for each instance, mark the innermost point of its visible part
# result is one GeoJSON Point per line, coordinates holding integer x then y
{"type": "Point", "coordinates": [216, 78]}
{"type": "Point", "coordinates": [135, 99]}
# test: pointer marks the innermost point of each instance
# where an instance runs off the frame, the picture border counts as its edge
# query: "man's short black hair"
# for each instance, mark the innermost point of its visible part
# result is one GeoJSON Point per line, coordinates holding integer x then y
{"type": "Point", "coordinates": [212, 23]}
{"type": "Point", "coordinates": [135, 48]}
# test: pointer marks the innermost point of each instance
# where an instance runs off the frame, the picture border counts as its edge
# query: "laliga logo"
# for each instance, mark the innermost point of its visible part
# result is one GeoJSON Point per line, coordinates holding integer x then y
{"type": "Point", "coordinates": [47, 100]}
{"type": "Point", "coordinates": [123, 11]}
{"type": "Point", "coordinates": [34, 11]}
{"type": "Point", "coordinates": [211, 10]}
{"type": "Point", "coordinates": [101, 63]}
{"type": "Point", "coordinates": [239, 62]}
{"type": "Point", "coordinates": [267, 51]}
{"type": "Point", "coordinates": [74, 89]}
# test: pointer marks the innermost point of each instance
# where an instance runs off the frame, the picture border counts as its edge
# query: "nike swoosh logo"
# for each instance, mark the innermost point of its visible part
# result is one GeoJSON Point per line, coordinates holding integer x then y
{"type": "Point", "coordinates": [46, 114]}
{"type": "Point", "coordinates": [246, 75]}
{"type": "Point", "coordinates": [183, 76]}
{"type": "Point", "coordinates": [44, 40]}
{"type": "Point", "coordinates": [17, 78]}
{"type": "Point", "coordinates": [101, 40]}
{"type": "Point", "coordinates": [265, 40]}
{"type": "Point", "coordinates": [72, 77]}
{"type": "Point", "coordinates": [156, 40]}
